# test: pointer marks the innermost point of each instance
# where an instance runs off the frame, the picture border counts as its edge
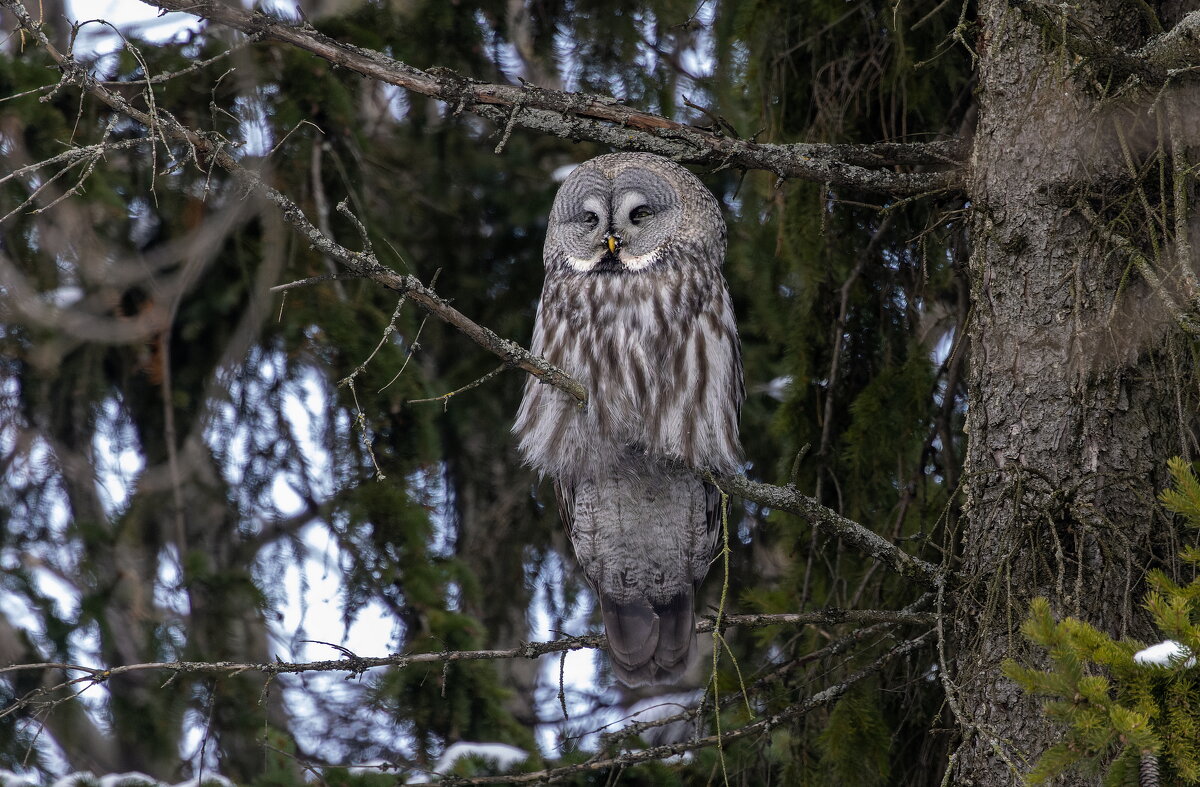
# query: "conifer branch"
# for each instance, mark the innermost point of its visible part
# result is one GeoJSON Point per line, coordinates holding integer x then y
{"type": "Point", "coordinates": [603, 119]}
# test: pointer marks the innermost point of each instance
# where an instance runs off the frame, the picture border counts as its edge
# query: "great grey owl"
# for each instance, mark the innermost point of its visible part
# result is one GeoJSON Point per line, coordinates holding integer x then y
{"type": "Point", "coordinates": [634, 307]}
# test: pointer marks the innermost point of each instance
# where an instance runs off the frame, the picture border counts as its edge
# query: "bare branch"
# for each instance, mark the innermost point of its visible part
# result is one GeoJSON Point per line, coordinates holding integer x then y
{"type": "Point", "coordinates": [445, 398]}
{"type": "Point", "coordinates": [355, 664]}
{"type": "Point", "coordinates": [292, 285]}
{"type": "Point", "coordinates": [603, 119]}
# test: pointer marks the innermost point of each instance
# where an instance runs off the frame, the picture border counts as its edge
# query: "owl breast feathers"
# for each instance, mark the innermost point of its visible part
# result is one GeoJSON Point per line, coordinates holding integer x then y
{"type": "Point", "coordinates": [634, 306]}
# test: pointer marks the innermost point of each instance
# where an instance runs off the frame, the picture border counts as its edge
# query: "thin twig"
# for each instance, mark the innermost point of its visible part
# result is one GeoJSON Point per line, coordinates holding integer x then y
{"type": "Point", "coordinates": [445, 398]}
{"type": "Point", "coordinates": [316, 280]}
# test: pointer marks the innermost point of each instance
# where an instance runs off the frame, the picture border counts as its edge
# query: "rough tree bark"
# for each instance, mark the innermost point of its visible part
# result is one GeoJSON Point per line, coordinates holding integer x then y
{"type": "Point", "coordinates": [1076, 396]}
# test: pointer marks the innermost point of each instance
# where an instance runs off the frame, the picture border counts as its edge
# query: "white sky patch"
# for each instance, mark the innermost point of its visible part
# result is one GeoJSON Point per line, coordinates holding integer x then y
{"type": "Point", "coordinates": [504, 756]}
{"type": "Point", "coordinates": [941, 350]}
{"type": "Point", "coordinates": [398, 103]}
{"type": "Point", "coordinates": [257, 138]}
{"type": "Point", "coordinates": [116, 456]}
{"type": "Point", "coordinates": [318, 582]}
{"type": "Point", "coordinates": [308, 590]}
{"type": "Point", "coordinates": [132, 18]}
{"type": "Point", "coordinates": [503, 51]}
{"type": "Point", "coordinates": [560, 173]}
{"type": "Point", "coordinates": [168, 585]}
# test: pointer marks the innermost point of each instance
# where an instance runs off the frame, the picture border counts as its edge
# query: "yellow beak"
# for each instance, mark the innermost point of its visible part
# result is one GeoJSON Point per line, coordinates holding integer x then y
{"type": "Point", "coordinates": [612, 244]}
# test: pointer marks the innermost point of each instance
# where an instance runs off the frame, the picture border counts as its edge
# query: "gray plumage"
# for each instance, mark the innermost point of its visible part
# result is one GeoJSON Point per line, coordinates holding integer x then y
{"type": "Point", "coordinates": [634, 306]}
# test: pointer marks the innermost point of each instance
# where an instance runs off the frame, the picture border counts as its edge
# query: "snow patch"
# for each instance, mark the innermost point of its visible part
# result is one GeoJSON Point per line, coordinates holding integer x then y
{"type": "Point", "coordinates": [1167, 653]}
{"type": "Point", "coordinates": [505, 757]}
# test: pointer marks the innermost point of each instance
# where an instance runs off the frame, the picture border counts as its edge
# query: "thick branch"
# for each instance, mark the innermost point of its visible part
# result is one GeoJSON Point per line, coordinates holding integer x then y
{"type": "Point", "coordinates": [602, 119]}
{"type": "Point", "coordinates": [1178, 49]}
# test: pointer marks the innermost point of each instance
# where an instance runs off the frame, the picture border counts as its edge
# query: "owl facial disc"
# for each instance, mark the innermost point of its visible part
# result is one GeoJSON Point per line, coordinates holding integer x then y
{"type": "Point", "coordinates": [606, 223]}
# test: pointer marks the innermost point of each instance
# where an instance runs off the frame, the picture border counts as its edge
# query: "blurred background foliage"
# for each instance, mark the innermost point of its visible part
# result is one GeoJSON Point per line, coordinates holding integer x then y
{"type": "Point", "coordinates": [160, 483]}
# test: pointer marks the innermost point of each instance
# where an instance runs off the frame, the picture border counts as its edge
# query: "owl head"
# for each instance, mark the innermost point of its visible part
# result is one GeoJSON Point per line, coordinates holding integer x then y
{"type": "Point", "coordinates": [629, 212]}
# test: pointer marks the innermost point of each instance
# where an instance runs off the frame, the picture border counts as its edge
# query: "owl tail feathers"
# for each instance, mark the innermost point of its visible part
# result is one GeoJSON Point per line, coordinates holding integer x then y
{"type": "Point", "coordinates": [649, 643]}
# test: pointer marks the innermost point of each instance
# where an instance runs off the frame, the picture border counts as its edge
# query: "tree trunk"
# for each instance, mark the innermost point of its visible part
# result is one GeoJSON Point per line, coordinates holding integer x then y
{"type": "Point", "coordinates": [1076, 392]}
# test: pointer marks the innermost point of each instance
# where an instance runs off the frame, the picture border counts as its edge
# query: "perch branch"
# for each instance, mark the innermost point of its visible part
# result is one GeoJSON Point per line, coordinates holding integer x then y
{"type": "Point", "coordinates": [355, 664]}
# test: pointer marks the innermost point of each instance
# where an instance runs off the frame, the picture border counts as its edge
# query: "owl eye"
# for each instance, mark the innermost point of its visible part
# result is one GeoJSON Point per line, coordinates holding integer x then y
{"type": "Point", "coordinates": [590, 219]}
{"type": "Point", "coordinates": [640, 213]}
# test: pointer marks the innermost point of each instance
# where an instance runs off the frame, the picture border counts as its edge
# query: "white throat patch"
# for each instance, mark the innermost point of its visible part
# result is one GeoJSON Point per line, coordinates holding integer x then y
{"type": "Point", "coordinates": [630, 262]}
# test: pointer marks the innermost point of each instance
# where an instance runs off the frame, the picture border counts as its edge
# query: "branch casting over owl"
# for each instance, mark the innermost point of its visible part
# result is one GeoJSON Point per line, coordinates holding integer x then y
{"type": "Point", "coordinates": [634, 306]}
